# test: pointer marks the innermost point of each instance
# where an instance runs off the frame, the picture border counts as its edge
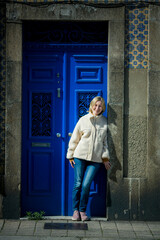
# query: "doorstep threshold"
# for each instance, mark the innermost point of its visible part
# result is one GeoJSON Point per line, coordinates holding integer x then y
{"type": "Point", "coordinates": [67, 218]}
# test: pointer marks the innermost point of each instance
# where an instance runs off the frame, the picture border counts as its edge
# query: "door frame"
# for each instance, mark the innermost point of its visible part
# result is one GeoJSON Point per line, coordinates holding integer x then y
{"type": "Point", "coordinates": [13, 129]}
{"type": "Point", "coordinates": [33, 50]}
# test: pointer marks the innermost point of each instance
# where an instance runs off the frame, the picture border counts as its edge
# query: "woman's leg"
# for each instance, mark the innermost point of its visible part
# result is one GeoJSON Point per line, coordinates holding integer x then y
{"type": "Point", "coordinates": [91, 170]}
{"type": "Point", "coordinates": [79, 170]}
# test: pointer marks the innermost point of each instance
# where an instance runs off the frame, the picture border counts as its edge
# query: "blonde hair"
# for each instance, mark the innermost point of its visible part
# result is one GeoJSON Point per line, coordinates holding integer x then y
{"type": "Point", "coordinates": [93, 102]}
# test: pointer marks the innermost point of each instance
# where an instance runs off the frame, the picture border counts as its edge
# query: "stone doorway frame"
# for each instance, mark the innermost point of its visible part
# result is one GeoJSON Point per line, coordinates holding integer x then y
{"type": "Point", "coordinates": [16, 14]}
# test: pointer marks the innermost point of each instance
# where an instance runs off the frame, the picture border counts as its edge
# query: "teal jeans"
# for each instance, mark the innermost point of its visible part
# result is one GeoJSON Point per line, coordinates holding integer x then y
{"type": "Point", "coordinates": [84, 172]}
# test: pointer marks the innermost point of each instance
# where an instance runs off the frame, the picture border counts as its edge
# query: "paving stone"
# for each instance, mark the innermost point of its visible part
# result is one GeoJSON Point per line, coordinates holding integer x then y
{"type": "Point", "coordinates": [139, 225]}
{"type": "Point", "coordinates": [157, 231]}
{"type": "Point", "coordinates": [77, 233]}
{"type": "Point", "coordinates": [114, 231]}
{"type": "Point", "coordinates": [35, 238]}
{"type": "Point", "coordinates": [108, 225]}
{"type": "Point", "coordinates": [108, 238]}
{"type": "Point", "coordinates": [157, 237]}
{"type": "Point", "coordinates": [94, 229]}
{"type": "Point", "coordinates": [26, 228]}
{"type": "Point", "coordinates": [141, 233]}
{"type": "Point", "coordinates": [93, 233]}
{"type": "Point", "coordinates": [93, 225]}
{"type": "Point", "coordinates": [39, 229]}
{"type": "Point", "coordinates": [153, 225]}
{"type": "Point", "coordinates": [127, 234]}
{"type": "Point", "coordinates": [10, 227]}
{"type": "Point", "coordinates": [112, 234]}
{"type": "Point", "coordinates": [59, 233]}
{"type": "Point", "coordinates": [144, 235]}
{"type": "Point", "coordinates": [140, 228]}
{"type": "Point", "coordinates": [124, 226]}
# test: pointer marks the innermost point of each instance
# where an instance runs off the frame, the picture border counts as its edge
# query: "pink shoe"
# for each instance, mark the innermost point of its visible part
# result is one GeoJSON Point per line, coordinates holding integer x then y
{"type": "Point", "coordinates": [76, 216]}
{"type": "Point", "coordinates": [84, 216]}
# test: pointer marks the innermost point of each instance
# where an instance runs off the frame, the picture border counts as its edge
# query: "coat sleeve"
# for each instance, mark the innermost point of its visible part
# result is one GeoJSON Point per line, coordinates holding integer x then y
{"type": "Point", "coordinates": [75, 138]}
{"type": "Point", "coordinates": [105, 152]}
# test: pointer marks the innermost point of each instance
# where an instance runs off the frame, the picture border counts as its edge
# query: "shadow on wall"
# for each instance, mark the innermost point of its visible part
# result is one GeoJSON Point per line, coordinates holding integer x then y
{"type": "Point", "coordinates": [115, 163]}
{"type": "Point", "coordinates": [112, 130]}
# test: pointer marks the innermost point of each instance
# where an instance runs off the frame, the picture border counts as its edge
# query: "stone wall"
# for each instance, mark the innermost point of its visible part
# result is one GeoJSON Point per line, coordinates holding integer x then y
{"type": "Point", "coordinates": [11, 203]}
{"type": "Point", "coordinates": [153, 112]}
{"type": "Point", "coordinates": [138, 180]}
{"type": "Point", "coordinates": [2, 101]}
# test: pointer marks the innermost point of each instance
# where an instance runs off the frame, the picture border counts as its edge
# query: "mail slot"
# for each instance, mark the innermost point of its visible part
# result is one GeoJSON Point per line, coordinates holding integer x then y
{"type": "Point", "coordinates": [36, 144]}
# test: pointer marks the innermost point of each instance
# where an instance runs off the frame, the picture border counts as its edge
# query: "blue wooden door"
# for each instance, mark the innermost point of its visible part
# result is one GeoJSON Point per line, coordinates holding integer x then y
{"type": "Point", "coordinates": [58, 86]}
{"type": "Point", "coordinates": [88, 78]}
{"type": "Point", "coordinates": [42, 142]}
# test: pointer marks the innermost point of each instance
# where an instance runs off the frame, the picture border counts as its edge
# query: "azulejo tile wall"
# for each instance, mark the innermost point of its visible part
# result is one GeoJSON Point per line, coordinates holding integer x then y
{"type": "Point", "coordinates": [136, 37]}
{"type": "Point", "coordinates": [2, 94]}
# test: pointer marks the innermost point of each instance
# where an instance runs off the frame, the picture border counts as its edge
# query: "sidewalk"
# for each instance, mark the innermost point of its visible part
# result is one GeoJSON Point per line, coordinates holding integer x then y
{"type": "Point", "coordinates": [97, 230]}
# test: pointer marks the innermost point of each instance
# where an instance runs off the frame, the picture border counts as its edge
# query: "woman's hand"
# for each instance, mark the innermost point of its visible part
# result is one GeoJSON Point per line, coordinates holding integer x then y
{"type": "Point", "coordinates": [107, 163]}
{"type": "Point", "coordinates": [72, 162]}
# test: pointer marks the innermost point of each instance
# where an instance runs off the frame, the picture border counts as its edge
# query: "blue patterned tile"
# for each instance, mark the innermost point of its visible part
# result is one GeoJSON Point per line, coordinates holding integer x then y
{"type": "Point", "coordinates": [141, 27]}
{"type": "Point", "coordinates": [137, 46]}
{"type": "Point", "coordinates": [135, 63]}
{"type": "Point", "coordinates": [131, 16]}
{"type": "Point", "coordinates": [140, 58]}
{"type": "Point", "coordinates": [140, 47]}
{"type": "Point", "coordinates": [131, 27]}
{"type": "Point", "coordinates": [131, 57]}
{"type": "Point", "coordinates": [141, 17]}
{"type": "Point", "coordinates": [140, 66]}
{"type": "Point", "coordinates": [141, 37]}
{"type": "Point", "coordinates": [131, 36]}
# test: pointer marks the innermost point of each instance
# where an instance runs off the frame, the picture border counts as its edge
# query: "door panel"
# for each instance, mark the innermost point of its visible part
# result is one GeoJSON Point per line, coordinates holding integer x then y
{"type": "Point", "coordinates": [40, 166]}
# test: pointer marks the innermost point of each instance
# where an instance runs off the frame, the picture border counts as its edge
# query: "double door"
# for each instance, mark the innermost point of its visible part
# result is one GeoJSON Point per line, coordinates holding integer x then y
{"type": "Point", "coordinates": [58, 86]}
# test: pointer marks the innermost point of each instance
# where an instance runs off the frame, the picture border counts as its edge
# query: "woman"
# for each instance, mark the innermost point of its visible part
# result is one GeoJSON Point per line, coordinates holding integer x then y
{"type": "Point", "coordinates": [87, 150]}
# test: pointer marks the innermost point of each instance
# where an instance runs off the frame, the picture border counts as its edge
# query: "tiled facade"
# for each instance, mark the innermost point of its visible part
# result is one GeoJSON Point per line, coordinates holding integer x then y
{"type": "Point", "coordinates": [136, 37]}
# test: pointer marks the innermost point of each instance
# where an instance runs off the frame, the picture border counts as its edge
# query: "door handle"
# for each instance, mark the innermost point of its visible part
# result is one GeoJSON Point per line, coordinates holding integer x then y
{"type": "Point", "coordinates": [58, 92]}
{"type": "Point", "coordinates": [58, 135]}
{"type": "Point", "coordinates": [58, 75]}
